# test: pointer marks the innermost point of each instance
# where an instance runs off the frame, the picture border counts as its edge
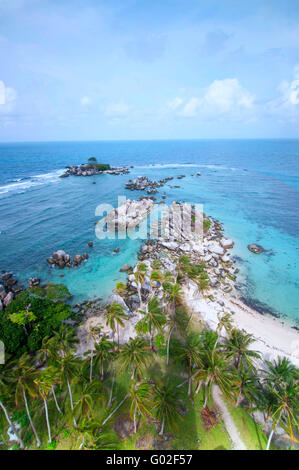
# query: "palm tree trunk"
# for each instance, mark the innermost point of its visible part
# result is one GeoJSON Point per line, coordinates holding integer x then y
{"type": "Point", "coordinates": [198, 387]}
{"type": "Point", "coordinates": [207, 396]}
{"type": "Point", "coordinates": [190, 381]}
{"type": "Point", "coordinates": [135, 424]}
{"type": "Point", "coordinates": [115, 410]}
{"type": "Point", "coordinates": [111, 391]}
{"type": "Point", "coordinates": [102, 370]}
{"type": "Point", "coordinates": [272, 432]}
{"type": "Point", "coordinates": [139, 294]}
{"type": "Point", "coordinates": [189, 385]}
{"type": "Point", "coordinates": [270, 439]}
{"type": "Point", "coordinates": [118, 335]}
{"type": "Point", "coordinates": [181, 384]}
{"type": "Point", "coordinates": [162, 427]}
{"type": "Point", "coordinates": [239, 398]}
{"type": "Point", "coordinates": [168, 345]}
{"type": "Point", "coordinates": [55, 400]}
{"type": "Point", "coordinates": [90, 369]}
{"type": "Point", "coordinates": [47, 419]}
{"type": "Point", "coordinates": [11, 424]}
{"type": "Point", "coordinates": [216, 342]}
{"type": "Point", "coordinates": [133, 372]}
{"type": "Point", "coordinates": [71, 400]}
{"type": "Point", "coordinates": [38, 443]}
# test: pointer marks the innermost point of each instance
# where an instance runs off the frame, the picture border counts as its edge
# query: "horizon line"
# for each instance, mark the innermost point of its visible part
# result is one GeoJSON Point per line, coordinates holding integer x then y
{"type": "Point", "coordinates": [146, 140]}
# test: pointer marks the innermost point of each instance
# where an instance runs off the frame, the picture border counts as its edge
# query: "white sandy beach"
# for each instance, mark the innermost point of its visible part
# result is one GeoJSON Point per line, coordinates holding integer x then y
{"type": "Point", "coordinates": [273, 338]}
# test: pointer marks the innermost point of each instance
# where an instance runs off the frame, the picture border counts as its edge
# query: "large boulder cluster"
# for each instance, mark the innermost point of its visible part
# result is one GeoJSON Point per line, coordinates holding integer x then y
{"type": "Point", "coordinates": [208, 247]}
{"type": "Point", "coordinates": [61, 259]}
{"type": "Point", "coordinates": [129, 214]}
{"type": "Point", "coordinates": [143, 183]}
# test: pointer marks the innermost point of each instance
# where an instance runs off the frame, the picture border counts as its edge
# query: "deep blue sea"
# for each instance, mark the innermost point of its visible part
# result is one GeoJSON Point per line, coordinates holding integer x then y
{"type": "Point", "coordinates": [251, 186]}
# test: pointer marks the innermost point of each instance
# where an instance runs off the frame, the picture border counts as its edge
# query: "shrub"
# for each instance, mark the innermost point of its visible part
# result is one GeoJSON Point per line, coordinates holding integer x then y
{"type": "Point", "coordinates": [101, 166]}
{"type": "Point", "coordinates": [206, 225]}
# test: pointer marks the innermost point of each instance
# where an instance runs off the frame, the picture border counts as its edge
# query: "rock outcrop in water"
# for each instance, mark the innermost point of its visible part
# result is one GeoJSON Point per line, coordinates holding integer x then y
{"type": "Point", "coordinates": [143, 183]}
{"type": "Point", "coordinates": [61, 259]}
{"type": "Point", "coordinates": [9, 288]}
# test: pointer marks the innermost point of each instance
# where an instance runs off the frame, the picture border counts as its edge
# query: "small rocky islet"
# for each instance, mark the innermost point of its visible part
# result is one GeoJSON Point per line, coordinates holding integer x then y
{"type": "Point", "coordinates": [93, 168]}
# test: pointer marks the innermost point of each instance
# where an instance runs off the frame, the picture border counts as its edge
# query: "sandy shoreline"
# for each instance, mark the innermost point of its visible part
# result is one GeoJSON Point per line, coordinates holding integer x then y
{"type": "Point", "coordinates": [273, 338]}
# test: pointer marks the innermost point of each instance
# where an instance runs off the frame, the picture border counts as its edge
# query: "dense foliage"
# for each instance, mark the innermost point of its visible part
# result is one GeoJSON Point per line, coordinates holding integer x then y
{"type": "Point", "coordinates": [31, 316]}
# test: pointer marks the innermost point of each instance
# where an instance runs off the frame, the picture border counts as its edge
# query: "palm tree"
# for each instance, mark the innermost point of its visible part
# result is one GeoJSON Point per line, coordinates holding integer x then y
{"type": "Point", "coordinates": [134, 355]}
{"type": "Point", "coordinates": [280, 371]}
{"type": "Point", "coordinates": [139, 275]}
{"type": "Point", "coordinates": [246, 383]}
{"type": "Point", "coordinates": [115, 315]}
{"type": "Point", "coordinates": [140, 394]}
{"type": "Point", "coordinates": [65, 339]}
{"type": "Point", "coordinates": [44, 382]}
{"type": "Point", "coordinates": [155, 277]}
{"type": "Point", "coordinates": [202, 282]}
{"type": "Point", "coordinates": [121, 289]}
{"type": "Point", "coordinates": [154, 319]}
{"type": "Point", "coordinates": [69, 366]}
{"type": "Point", "coordinates": [179, 322]}
{"type": "Point", "coordinates": [182, 267]}
{"type": "Point", "coordinates": [48, 353]}
{"type": "Point", "coordinates": [224, 321]}
{"type": "Point", "coordinates": [173, 293]}
{"type": "Point", "coordinates": [284, 407]}
{"type": "Point", "coordinates": [23, 375]}
{"type": "Point", "coordinates": [237, 346]}
{"type": "Point", "coordinates": [189, 353]}
{"type": "Point", "coordinates": [166, 403]}
{"type": "Point", "coordinates": [88, 395]}
{"type": "Point", "coordinates": [104, 351]}
{"type": "Point", "coordinates": [156, 264]}
{"type": "Point", "coordinates": [94, 438]}
{"type": "Point", "coordinates": [208, 339]}
{"type": "Point", "coordinates": [216, 369]}
{"type": "Point", "coordinates": [94, 333]}
{"type": "Point", "coordinates": [4, 396]}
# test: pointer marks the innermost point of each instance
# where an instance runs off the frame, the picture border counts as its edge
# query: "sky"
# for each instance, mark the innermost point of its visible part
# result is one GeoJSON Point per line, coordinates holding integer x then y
{"type": "Point", "coordinates": [148, 69]}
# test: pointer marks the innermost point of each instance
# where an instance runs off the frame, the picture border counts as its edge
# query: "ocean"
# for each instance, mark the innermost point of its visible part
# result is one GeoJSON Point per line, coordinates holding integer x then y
{"type": "Point", "coordinates": [251, 186]}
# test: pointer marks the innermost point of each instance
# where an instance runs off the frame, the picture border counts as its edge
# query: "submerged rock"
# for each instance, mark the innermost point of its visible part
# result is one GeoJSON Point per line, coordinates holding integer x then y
{"type": "Point", "coordinates": [125, 268]}
{"type": "Point", "coordinates": [255, 248]}
{"type": "Point", "coordinates": [34, 281]}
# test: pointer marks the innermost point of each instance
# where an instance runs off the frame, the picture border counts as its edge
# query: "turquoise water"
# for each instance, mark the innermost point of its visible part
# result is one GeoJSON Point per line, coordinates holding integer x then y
{"type": "Point", "coordinates": [249, 185]}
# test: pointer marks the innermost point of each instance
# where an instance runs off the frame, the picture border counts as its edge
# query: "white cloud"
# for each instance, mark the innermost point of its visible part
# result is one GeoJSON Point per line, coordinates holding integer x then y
{"type": "Point", "coordinates": [119, 109]}
{"type": "Point", "coordinates": [220, 97]}
{"type": "Point", "coordinates": [175, 103]}
{"type": "Point", "coordinates": [7, 98]}
{"type": "Point", "coordinates": [290, 90]}
{"type": "Point", "coordinates": [85, 101]}
{"type": "Point", "coordinates": [286, 106]}
{"type": "Point", "coordinates": [191, 107]}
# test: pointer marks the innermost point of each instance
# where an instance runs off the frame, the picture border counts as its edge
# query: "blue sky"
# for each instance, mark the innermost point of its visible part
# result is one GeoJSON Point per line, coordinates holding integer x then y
{"type": "Point", "coordinates": [148, 69]}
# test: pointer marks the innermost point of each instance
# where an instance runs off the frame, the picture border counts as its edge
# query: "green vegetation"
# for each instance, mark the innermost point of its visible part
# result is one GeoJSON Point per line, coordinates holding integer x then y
{"type": "Point", "coordinates": [31, 316]}
{"type": "Point", "coordinates": [153, 392]}
{"type": "Point", "coordinates": [93, 163]}
{"type": "Point", "coordinates": [206, 225]}
{"type": "Point", "coordinates": [101, 166]}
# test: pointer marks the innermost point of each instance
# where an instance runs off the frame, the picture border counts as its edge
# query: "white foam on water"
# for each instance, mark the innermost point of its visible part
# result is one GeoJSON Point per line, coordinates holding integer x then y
{"type": "Point", "coordinates": [186, 165]}
{"type": "Point", "coordinates": [22, 185]}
